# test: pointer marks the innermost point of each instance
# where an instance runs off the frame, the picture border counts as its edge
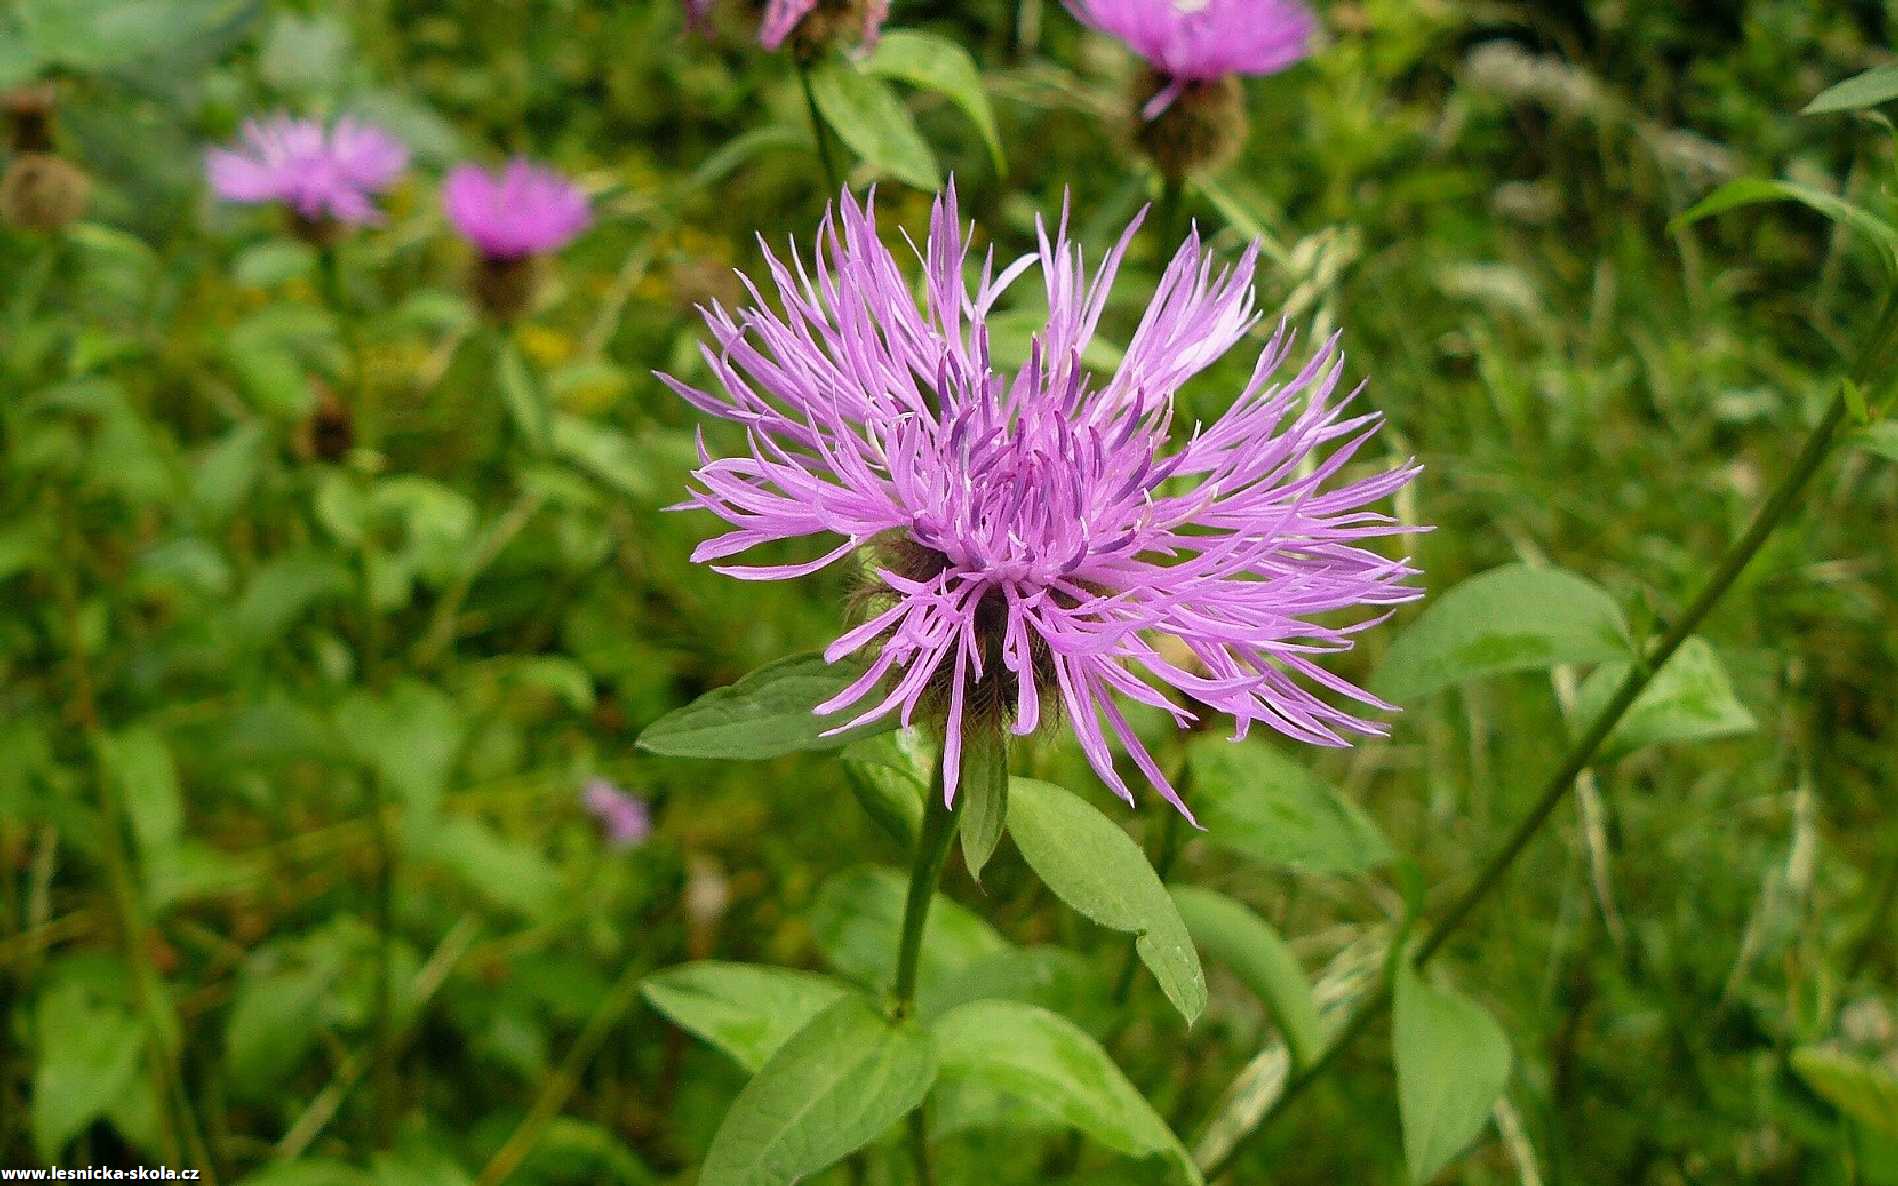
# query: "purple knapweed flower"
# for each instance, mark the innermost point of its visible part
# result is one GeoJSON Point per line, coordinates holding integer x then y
{"type": "Point", "coordinates": [1201, 41]}
{"type": "Point", "coordinates": [782, 17]}
{"type": "Point", "coordinates": [524, 210]}
{"type": "Point", "coordinates": [1036, 533]}
{"type": "Point", "coordinates": [625, 820]}
{"type": "Point", "coordinates": [321, 173]}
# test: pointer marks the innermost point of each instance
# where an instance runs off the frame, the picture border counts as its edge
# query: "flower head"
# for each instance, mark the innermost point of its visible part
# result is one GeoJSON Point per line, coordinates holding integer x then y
{"type": "Point", "coordinates": [523, 210]}
{"type": "Point", "coordinates": [320, 173]}
{"type": "Point", "coordinates": [1037, 534]}
{"type": "Point", "coordinates": [1203, 41]}
{"type": "Point", "coordinates": [627, 821]}
{"type": "Point", "coordinates": [816, 22]}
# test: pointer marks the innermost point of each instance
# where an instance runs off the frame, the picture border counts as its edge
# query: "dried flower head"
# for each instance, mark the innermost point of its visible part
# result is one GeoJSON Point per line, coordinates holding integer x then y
{"type": "Point", "coordinates": [1034, 534]}
{"type": "Point", "coordinates": [1191, 42]}
{"type": "Point", "coordinates": [44, 193]}
{"type": "Point", "coordinates": [323, 175]}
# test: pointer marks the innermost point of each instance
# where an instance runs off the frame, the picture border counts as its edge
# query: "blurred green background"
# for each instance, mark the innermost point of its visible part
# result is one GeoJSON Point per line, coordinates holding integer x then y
{"type": "Point", "coordinates": [232, 668]}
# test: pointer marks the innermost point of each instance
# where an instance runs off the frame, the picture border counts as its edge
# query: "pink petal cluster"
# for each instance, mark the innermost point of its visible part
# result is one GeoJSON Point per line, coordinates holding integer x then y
{"type": "Point", "coordinates": [627, 821]}
{"type": "Point", "coordinates": [1191, 41]}
{"type": "Point", "coordinates": [1069, 537]}
{"type": "Point", "coordinates": [319, 172]}
{"type": "Point", "coordinates": [524, 210]}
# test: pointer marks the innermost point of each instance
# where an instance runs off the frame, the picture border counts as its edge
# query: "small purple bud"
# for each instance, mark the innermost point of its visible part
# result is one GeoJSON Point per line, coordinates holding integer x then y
{"type": "Point", "coordinates": [627, 821]}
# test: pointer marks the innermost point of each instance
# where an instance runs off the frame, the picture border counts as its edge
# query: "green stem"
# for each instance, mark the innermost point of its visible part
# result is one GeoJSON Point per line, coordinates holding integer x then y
{"type": "Point", "coordinates": [387, 1087]}
{"type": "Point", "coordinates": [1875, 361]}
{"type": "Point", "coordinates": [831, 176]}
{"type": "Point", "coordinates": [561, 1084]}
{"type": "Point", "coordinates": [932, 849]}
{"type": "Point", "coordinates": [180, 1131]}
{"type": "Point", "coordinates": [1167, 217]}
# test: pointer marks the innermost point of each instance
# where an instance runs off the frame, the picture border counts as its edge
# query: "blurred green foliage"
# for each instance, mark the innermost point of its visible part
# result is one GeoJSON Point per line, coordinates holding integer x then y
{"type": "Point", "coordinates": [238, 664]}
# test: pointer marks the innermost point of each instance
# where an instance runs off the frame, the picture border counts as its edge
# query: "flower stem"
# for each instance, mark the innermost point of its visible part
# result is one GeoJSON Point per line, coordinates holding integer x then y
{"type": "Point", "coordinates": [831, 176]}
{"type": "Point", "coordinates": [1874, 361]}
{"type": "Point", "coordinates": [932, 849]}
{"type": "Point", "coordinates": [369, 663]}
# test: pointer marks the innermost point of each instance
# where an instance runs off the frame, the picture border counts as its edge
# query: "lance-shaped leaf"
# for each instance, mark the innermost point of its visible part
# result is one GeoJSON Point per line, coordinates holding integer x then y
{"type": "Point", "coordinates": [1005, 1052]}
{"type": "Point", "coordinates": [836, 1085]}
{"type": "Point", "coordinates": [1097, 869]}
{"type": "Point", "coordinates": [764, 715]}
{"type": "Point", "coordinates": [985, 783]}
{"type": "Point", "coordinates": [1750, 191]}
{"type": "Point", "coordinates": [1240, 939]}
{"type": "Point", "coordinates": [890, 775]}
{"type": "Point", "coordinates": [940, 65]}
{"type": "Point", "coordinates": [1256, 801]}
{"type": "Point", "coordinates": [1452, 1063]}
{"type": "Point", "coordinates": [1875, 86]}
{"type": "Point", "coordinates": [1689, 699]}
{"type": "Point", "coordinates": [1514, 618]}
{"type": "Point", "coordinates": [1857, 1087]}
{"type": "Point", "coordinates": [746, 1010]}
{"type": "Point", "coordinates": [874, 123]}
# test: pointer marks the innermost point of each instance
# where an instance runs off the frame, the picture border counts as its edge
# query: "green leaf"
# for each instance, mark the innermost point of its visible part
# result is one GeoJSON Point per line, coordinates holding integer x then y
{"type": "Point", "coordinates": [410, 736]}
{"type": "Point", "coordinates": [1452, 1063]}
{"type": "Point", "coordinates": [275, 1016]}
{"type": "Point", "coordinates": [746, 1010]}
{"type": "Point", "coordinates": [148, 780]}
{"type": "Point", "coordinates": [938, 64]}
{"type": "Point", "coordinates": [985, 783]}
{"type": "Point", "coordinates": [1028, 1053]}
{"type": "Point", "coordinates": [526, 398]}
{"type": "Point", "coordinates": [1880, 438]}
{"type": "Point", "coordinates": [838, 1084]}
{"type": "Point", "coordinates": [1255, 801]}
{"type": "Point", "coordinates": [89, 1054]}
{"type": "Point", "coordinates": [304, 53]}
{"type": "Point", "coordinates": [869, 118]}
{"type": "Point", "coordinates": [312, 1171]}
{"type": "Point", "coordinates": [1514, 618]}
{"type": "Point", "coordinates": [890, 775]}
{"type": "Point", "coordinates": [505, 872]}
{"type": "Point", "coordinates": [19, 61]}
{"type": "Point", "coordinates": [1857, 1087]}
{"type": "Point", "coordinates": [228, 470]}
{"type": "Point", "coordinates": [764, 715]}
{"type": "Point", "coordinates": [1875, 86]}
{"type": "Point", "coordinates": [1240, 939]}
{"type": "Point", "coordinates": [1098, 870]}
{"type": "Point", "coordinates": [857, 920]}
{"type": "Point", "coordinates": [1751, 191]}
{"type": "Point", "coordinates": [1058, 980]}
{"type": "Point", "coordinates": [284, 590]}
{"type": "Point", "coordinates": [612, 458]}
{"type": "Point", "coordinates": [1690, 699]}
{"type": "Point", "coordinates": [98, 34]}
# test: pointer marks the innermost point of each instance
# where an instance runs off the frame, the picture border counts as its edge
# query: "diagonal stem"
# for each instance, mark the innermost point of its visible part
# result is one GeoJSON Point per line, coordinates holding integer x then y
{"type": "Point", "coordinates": [831, 176]}
{"type": "Point", "coordinates": [1874, 362]}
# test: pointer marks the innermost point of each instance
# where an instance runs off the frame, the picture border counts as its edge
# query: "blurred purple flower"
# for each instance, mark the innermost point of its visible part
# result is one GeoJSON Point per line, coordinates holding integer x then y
{"type": "Point", "coordinates": [1034, 534]}
{"type": "Point", "coordinates": [524, 210]}
{"type": "Point", "coordinates": [318, 172]}
{"type": "Point", "coordinates": [627, 821]}
{"type": "Point", "coordinates": [1199, 41]}
{"type": "Point", "coordinates": [781, 17]}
